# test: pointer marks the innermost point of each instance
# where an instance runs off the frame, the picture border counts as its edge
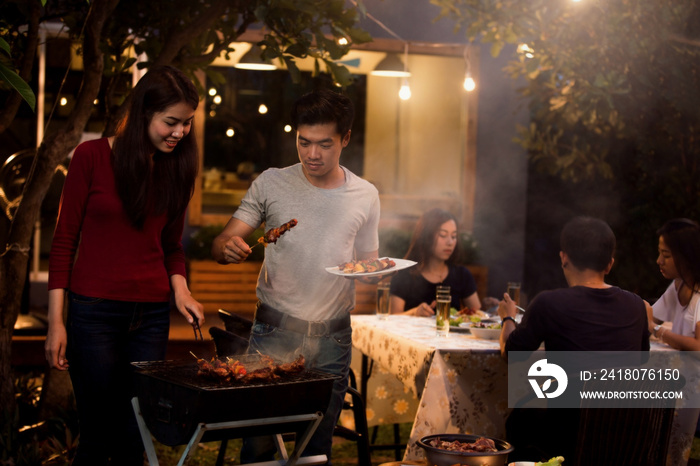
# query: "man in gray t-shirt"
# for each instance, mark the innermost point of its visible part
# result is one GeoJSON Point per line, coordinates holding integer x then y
{"type": "Point", "coordinates": [302, 308]}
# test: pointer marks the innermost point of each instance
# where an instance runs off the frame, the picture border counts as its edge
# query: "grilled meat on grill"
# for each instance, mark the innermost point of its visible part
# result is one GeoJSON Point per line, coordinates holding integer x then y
{"type": "Point", "coordinates": [226, 371]}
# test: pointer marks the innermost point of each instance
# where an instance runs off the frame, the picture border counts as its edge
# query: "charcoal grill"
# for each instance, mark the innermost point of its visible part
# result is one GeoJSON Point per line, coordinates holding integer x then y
{"type": "Point", "coordinates": [177, 406]}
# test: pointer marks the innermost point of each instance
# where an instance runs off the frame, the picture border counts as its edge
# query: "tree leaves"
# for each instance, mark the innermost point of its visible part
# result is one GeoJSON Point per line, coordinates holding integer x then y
{"type": "Point", "coordinates": [11, 78]}
{"type": "Point", "coordinates": [600, 72]}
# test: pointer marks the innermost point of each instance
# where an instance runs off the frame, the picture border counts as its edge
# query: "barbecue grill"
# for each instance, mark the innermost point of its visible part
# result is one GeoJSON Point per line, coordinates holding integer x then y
{"type": "Point", "coordinates": [177, 406]}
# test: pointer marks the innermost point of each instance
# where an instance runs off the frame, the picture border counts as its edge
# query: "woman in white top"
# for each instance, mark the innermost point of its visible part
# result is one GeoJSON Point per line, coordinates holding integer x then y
{"type": "Point", "coordinates": [679, 261]}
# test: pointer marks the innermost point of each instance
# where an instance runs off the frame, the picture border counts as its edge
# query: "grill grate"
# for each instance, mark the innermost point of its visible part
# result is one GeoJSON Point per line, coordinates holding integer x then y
{"type": "Point", "coordinates": [185, 373]}
{"type": "Point", "coordinates": [173, 399]}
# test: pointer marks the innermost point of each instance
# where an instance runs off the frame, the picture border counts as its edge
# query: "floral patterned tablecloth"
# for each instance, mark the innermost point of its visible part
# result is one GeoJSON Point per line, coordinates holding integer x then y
{"type": "Point", "coordinates": [461, 381]}
{"type": "Point", "coordinates": [457, 384]}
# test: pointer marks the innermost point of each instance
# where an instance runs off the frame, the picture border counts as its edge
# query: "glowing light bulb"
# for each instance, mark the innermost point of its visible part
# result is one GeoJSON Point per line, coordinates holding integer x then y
{"type": "Point", "coordinates": [63, 102]}
{"type": "Point", "coordinates": [526, 50]}
{"type": "Point", "coordinates": [287, 128]}
{"type": "Point", "coordinates": [217, 99]}
{"type": "Point", "coordinates": [405, 91]}
{"type": "Point", "coordinates": [212, 91]}
{"type": "Point", "coordinates": [262, 109]}
{"type": "Point", "coordinates": [230, 132]}
{"type": "Point", "coordinates": [343, 41]}
{"type": "Point", "coordinates": [469, 84]}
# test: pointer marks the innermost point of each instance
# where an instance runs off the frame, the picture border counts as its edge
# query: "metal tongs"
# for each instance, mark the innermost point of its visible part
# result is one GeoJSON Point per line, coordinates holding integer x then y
{"type": "Point", "coordinates": [195, 326]}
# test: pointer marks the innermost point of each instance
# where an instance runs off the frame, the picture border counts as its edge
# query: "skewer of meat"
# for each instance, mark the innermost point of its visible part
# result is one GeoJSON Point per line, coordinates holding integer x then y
{"type": "Point", "coordinates": [273, 234]}
{"type": "Point", "coordinates": [233, 369]}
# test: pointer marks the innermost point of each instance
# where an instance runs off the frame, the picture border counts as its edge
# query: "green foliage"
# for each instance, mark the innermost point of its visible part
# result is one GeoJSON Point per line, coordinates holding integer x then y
{"type": "Point", "coordinates": [394, 242]}
{"type": "Point", "coordinates": [613, 93]}
{"type": "Point", "coordinates": [12, 79]}
{"type": "Point", "coordinates": [596, 73]}
{"type": "Point", "coordinates": [297, 29]}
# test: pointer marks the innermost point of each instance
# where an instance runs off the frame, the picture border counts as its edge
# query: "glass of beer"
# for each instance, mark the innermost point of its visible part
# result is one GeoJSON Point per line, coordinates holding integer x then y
{"type": "Point", "coordinates": [514, 292]}
{"type": "Point", "coordinates": [443, 302]}
{"type": "Point", "coordinates": [383, 299]}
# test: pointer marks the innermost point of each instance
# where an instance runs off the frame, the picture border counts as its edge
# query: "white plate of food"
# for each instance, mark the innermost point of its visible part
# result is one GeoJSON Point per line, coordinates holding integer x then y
{"type": "Point", "coordinates": [486, 331]}
{"type": "Point", "coordinates": [354, 268]}
{"type": "Point", "coordinates": [476, 314]}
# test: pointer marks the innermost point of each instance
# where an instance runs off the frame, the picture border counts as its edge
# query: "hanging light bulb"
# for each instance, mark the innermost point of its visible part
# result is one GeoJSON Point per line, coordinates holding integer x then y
{"type": "Point", "coordinates": [469, 84]}
{"type": "Point", "coordinates": [405, 91]}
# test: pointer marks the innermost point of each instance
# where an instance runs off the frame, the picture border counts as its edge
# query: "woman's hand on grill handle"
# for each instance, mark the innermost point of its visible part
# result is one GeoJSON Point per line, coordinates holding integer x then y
{"type": "Point", "coordinates": [189, 307]}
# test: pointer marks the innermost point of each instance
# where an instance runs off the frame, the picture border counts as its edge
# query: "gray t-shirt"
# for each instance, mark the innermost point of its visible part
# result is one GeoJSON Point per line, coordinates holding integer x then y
{"type": "Point", "coordinates": [332, 223]}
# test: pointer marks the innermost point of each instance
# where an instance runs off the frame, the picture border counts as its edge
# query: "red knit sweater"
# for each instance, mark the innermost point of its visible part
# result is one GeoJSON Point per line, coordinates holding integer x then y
{"type": "Point", "coordinates": [114, 260]}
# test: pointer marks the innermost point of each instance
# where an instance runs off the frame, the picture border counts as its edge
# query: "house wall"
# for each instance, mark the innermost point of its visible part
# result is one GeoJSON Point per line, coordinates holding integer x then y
{"type": "Point", "coordinates": [501, 174]}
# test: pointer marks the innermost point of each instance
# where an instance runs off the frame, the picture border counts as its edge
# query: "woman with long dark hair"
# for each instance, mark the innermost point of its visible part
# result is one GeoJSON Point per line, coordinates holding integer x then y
{"type": "Point", "coordinates": [435, 247]}
{"type": "Point", "coordinates": [117, 260]}
{"type": "Point", "coordinates": [679, 261]}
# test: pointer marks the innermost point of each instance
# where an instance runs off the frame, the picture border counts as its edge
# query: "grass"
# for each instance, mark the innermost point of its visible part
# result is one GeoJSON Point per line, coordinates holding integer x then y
{"type": "Point", "coordinates": [344, 451]}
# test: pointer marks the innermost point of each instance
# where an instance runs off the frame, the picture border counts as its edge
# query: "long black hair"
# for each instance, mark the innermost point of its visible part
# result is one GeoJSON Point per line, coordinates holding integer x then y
{"type": "Point", "coordinates": [682, 236]}
{"type": "Point", "coordinates": [167, 184]}
{"type": "Point", "coordinates": [423, 239]}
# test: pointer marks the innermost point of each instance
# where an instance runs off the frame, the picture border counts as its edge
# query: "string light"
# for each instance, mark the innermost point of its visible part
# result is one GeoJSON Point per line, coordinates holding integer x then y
{"type": "Point", "coordinates": [469, 83]}
{"type": "Point", "coordinates": [405, 91]}
{"type": "Point", "coordinates": [526, 50]}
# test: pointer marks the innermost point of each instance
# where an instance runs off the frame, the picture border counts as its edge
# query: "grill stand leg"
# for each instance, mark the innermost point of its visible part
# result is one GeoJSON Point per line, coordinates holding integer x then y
{"type": "Point", "coordinates": [295, 459]}
{"type": "Point", "coordinates": [145, 434]}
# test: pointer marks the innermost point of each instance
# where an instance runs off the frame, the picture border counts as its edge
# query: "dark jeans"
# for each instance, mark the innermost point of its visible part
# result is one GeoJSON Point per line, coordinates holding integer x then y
{"type": "Point", "coordinates": [104, 337]}
{"type": "Point", "coordinates": [329, 353]}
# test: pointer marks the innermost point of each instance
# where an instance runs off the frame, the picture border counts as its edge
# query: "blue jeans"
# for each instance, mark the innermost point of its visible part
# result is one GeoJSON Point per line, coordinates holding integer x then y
{"type": "Point", "coordinates": [329, 353]}
{"type": "Point", "coordinates": [104, 337]}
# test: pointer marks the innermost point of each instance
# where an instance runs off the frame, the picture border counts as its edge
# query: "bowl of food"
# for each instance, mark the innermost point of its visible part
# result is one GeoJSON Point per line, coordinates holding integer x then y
{"type": "Point", "coordinates": [464, 449]}
{"type": "Point", "coordinates": [486, 331]}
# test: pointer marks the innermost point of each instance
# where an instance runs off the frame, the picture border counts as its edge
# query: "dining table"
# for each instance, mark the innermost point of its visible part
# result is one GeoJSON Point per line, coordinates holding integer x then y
{"type": "Point", "coordinates": [453, 384]}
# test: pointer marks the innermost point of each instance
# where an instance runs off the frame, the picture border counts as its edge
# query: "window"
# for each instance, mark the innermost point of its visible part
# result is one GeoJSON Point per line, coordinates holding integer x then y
{"type": "Point", "coordinates": [247, 129]}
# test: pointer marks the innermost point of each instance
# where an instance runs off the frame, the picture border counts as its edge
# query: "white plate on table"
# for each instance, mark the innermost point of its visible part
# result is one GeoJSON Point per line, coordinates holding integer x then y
{"type": "Point", "coordinates": [464, 327]}
{"type": "Point", "coordinates": [400, 265]}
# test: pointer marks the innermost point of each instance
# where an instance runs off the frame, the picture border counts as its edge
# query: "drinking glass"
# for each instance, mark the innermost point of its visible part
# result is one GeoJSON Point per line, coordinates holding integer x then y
{"type": "Point", "coordinates": [443, 302]}
{"type": "Point", "coordinates": [383, 299]}
{"type": "Point", "coordinates": [514, 292]}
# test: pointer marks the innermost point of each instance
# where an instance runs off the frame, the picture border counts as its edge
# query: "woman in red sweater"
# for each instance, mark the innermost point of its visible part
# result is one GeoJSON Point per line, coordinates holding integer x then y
{"type": "Point", "coordinates": [118, 262]}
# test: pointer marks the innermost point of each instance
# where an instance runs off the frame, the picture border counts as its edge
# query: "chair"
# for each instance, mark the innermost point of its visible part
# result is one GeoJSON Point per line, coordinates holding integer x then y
{"type": "Point", "coordinates": [624, 435]}
{"type": "Point", "coordinates": [397, 446]}
{"type": "Point", "coordinates": [234, 340]}
{"type": "Point", "coordinates": [360, 435]}
{"type": "Point", "coordinates": [227, 343]}
{"type": "Point", "coordinates": [235, 324]}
